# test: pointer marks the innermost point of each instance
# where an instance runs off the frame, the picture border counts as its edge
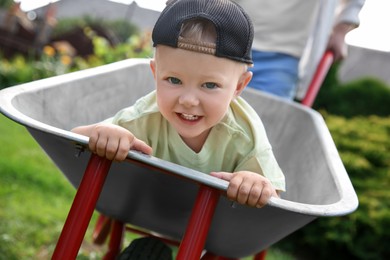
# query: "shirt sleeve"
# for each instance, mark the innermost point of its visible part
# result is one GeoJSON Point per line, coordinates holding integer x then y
{"type": "Point", "coordinates": [348, 11]}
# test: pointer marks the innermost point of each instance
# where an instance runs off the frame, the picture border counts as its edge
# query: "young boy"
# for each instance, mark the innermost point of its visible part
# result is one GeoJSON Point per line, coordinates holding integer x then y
{"type": "Point", "coordinates": [196, 117]}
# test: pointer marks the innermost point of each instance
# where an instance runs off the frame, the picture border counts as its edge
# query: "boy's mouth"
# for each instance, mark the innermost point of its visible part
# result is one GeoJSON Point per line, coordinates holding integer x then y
{"type": "Point", "coordinates": [189, 117]}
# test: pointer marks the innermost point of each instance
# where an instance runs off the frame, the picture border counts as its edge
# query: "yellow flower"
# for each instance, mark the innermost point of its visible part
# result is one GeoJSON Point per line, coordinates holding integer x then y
{"type": "Point", "coordinates": [66, 59]}
{"type": "Point", "coordinates": [49, 51]}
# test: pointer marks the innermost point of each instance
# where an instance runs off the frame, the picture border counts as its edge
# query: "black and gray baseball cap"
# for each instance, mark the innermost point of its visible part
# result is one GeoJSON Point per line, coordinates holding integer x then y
{"type": "Point", "coordinates": [233, 26]}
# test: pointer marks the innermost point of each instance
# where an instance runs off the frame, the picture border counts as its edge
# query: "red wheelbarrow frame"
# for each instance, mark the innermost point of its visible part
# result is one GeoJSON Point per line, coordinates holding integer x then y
{"type": "Point", "coordinates": [194, 239]}
{"type": "Point", "coordinates": [85, 201]}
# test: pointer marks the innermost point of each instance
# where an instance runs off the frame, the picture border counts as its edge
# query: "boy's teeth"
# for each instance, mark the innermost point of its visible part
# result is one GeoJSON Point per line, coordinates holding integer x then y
{"type": "Point", "coordinates": [189, 117]}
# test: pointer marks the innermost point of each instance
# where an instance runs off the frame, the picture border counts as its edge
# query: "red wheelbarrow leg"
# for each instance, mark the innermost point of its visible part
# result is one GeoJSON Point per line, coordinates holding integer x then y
{"type": "Point", "coordinates": [198, 226]}
{"type": "Point", "coordinates": [84, 203]}
{"type": "Point", "coordinates": [261, 255]}
{"type": "Point", "coordinates": [102, 230]}
{"type": "Point", "coordinates": [116, 240]}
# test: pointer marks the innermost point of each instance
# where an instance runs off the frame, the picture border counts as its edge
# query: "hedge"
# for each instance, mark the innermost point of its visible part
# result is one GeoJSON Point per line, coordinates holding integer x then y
{"type": "Point", "coordinates": [362, 97]}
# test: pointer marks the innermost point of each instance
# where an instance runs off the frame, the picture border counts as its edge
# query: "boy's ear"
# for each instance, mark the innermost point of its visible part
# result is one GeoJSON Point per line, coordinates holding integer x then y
{"type": "Point", "coordinates": [243, 82]}
{"type": "Point", "coordinates": [153, 68]}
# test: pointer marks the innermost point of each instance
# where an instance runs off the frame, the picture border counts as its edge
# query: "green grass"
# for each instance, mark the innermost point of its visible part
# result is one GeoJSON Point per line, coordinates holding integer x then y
{"type": "Point", "coordinates": [35, 199]}
{"type": "Point", "coordinates": [34, 196]}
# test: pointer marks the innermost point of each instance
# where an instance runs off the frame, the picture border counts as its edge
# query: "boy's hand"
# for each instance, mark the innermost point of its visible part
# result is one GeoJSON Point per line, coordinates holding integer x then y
{"type": "Point", "coordinates": [111, 141]}
{"type": "Point", "coordinates": [248, 188]}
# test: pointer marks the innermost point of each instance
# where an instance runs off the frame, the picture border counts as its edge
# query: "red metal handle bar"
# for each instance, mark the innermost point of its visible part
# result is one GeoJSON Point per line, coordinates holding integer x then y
{"type": "Point", "coordinates": [319, 76]}
{"type": "Point", "coordinates": [84, 203]}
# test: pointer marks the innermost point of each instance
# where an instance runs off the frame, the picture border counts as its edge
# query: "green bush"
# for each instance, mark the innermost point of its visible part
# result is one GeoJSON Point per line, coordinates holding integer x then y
{"type": "Point", "coordinates": [364, 147]}
{"type": "Point", "coordinates": [363, 97]}
{"type": "Point", "coordinates": [5, 4]}
{"type": "Point", "coordinates": [20, 69]}
{"type": "Point", "coordinates": [121, 29]}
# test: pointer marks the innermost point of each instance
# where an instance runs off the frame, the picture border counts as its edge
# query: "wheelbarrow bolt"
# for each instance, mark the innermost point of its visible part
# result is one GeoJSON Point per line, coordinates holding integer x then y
{"type": "Point", "coordinates": [79, 150]}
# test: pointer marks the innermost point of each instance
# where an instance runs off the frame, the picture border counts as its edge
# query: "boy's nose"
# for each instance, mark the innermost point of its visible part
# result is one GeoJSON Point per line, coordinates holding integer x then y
{"type": "Point", "coordinates": [188, 98]}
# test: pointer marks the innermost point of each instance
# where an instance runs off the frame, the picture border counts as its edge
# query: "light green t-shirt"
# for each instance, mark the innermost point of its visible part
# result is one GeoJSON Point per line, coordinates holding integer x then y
{"type": "Point", "coordinates": [238, 142]}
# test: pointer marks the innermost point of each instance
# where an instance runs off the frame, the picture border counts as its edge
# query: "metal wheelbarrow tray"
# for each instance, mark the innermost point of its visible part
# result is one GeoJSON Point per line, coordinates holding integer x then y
{"type": "Point", "coordinates": [136, 192]}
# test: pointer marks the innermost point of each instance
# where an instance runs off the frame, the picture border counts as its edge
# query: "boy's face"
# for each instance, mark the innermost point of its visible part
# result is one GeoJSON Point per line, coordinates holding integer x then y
{"type": "Point", "coordinates": [194, 90]}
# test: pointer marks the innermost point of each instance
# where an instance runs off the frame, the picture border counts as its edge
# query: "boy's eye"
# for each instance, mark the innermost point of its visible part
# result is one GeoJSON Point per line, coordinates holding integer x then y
{"type": "Point", "coordinates": [210, 85]}
{"type": "Point", "coordinates": [174, 80]}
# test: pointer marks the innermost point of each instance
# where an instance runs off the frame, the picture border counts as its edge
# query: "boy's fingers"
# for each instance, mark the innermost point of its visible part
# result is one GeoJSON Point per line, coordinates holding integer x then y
{"type": "Point", "coordinates": [262, 201]}
{"type": "Point", "coordinates": [112, 148]}
{"type": "Point", "coordinates": [101, 146]}
{"type": "Point", "coordinates": [122, 150]}
{"type": "Point", "coordinates": [254, 195]}
{"type": "Point", "coordinates": [92, 142]}
{"type": "Point", "coordinates": [266, 194]}
{"type": "Point", "coordinates": [227, 176]}
{"type": "Point", "coordinates": [235, 182]}
{"type": "Point", "coordinates": [141, 146]}
{"type": "Point", "coordinates": [244, 193]}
